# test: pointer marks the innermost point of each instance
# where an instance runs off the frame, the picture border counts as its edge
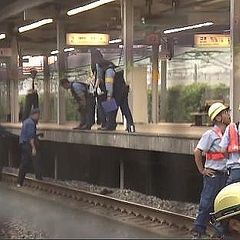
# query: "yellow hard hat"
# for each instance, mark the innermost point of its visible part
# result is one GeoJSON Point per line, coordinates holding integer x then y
{"type": "Point", "coordinates": [227, 202]}
{"type": "Point", "coordinates": [215, 109]}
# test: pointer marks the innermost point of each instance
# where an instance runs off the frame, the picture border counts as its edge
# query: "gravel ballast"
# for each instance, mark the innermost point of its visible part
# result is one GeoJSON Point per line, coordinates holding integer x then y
{"type": "Point", "coordinates": [189, 209]}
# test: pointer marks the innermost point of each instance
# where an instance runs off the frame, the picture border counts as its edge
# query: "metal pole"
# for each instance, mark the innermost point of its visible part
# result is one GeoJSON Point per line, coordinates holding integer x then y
{"type": "Point", "coordinates": [155, 76]}
{"type": "Point", "coordinates": [56, 167]}
{"type": "Point", "coordinates": [121, 173]}
{"type": "Point", "coordinates": [61, 109]}
{"type": "Point", "coordinates": [235, 68]}
{"type": "Point", "coordinates": [14, 80]}
{"type": "Point", "coordinates": [128, 24]}
{"type": "Point", "coordinates": [46, 86]}
{"type": "Point", "coordinates": [163, 93]}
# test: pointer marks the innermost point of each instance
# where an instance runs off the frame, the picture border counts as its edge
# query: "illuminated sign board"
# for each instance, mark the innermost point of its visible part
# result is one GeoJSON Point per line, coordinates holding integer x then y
{"type": "Point", "coordinates": [212, 40]}
{"type": "Point", "coordinates": [87, 39]}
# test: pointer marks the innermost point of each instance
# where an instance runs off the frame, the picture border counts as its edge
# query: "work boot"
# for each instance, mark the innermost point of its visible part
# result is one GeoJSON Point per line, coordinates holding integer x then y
{"type": "Point", "coordinates": [131, 129]}
{"type": "Point", "coordinates": [85, 127]}
{"type": "Point", "coordinates": [108, 129]}
{"type": "Point", "coordinates": [79, 126]}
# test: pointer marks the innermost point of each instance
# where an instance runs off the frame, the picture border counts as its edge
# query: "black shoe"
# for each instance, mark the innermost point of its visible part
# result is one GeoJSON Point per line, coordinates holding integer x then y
{"type": "Point", "coordinates": [85, 127]}
{"type": "Point", "coordinates": [131, 129]}
{"type": "Point", "coordinates": [108, 129]}
{"type": "Point", "coordinates": [77, 128]}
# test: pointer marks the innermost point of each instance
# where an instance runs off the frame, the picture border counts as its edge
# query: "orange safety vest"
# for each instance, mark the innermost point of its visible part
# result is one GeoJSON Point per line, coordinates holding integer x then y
{"type": "Point", "coordinates": [216, 156]}
{"type": "Point", "coordinates": [233, 145]}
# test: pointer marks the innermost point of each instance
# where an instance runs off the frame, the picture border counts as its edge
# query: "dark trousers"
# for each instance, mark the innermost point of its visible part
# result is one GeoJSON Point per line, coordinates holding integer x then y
{"type": "Point", "coordinates": [87, 110]}
{"type": "Point", "coordinates": [111, 120]}
{"type": "Point", "coordinates": [91, 106]}
{"type": "Point", "coordinates": [234, 176]}
{"type": "Point", "coordinates": [124, 106]}
{"type": "Point", "coordinates": [102, 116]}
{"type": "Point", "coordinates": [26, 160]}
{"type": "Point", "coordinates": [211, 187]}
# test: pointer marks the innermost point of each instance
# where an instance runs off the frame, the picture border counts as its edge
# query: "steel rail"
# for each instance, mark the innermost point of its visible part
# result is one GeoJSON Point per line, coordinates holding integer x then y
{"type": "Point", "coordinates": [179, 222]}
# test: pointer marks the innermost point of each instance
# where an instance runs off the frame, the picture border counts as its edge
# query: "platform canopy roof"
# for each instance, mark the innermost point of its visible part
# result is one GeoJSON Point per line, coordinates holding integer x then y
{"type": "Point", "coordinates": [150, 16]}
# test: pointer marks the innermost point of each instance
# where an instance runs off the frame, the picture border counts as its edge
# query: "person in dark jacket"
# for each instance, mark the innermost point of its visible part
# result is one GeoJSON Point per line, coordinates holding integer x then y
{"type": "Point", "coordinates": [104, 73]}
{"type": "Point", "coordinates": [32, 99]}
{"type": "Point", "coordinates": [110, 84]}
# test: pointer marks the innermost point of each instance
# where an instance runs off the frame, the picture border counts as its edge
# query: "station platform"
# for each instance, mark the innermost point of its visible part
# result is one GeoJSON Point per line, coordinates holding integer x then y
{"type": "Point", "coordinates": [162, 137]}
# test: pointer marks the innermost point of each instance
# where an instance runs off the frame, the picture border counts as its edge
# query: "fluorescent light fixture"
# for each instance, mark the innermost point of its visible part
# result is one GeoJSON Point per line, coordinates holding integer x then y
{"type": "Point", "coordinates": [2, 36]}
{"type": "Point", "coordinates": [174, 30]}
{"type": "Point", "coordinates": [26, 57]}
{"type": "Point", "coordinates": [69, 49]}
{"type": "Point", "coordinates": [88, 7]}
{"type": "Point", "coordinates": [54, 52]}
{"type": "Point", "coordinates": [35, 25]}
{"type": "Point", "coordinates": [118, 40]}
{"type": "Point", "coordinates": [134, 46]}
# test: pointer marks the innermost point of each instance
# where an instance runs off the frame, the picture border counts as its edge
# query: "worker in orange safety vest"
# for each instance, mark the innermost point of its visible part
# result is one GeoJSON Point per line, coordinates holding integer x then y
{"type": "Point", "coordinates": [230, 143]}
{"type": "Point", "coordinates": [214, 170]}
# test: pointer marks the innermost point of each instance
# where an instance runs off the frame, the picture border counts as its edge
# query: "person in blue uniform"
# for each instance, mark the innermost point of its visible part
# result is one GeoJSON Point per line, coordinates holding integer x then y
{"type": "Point", "coordinates": [104, 73]}
{"type": "Point", "coordinates": [214, 171]}
{"type": "Point", "coordinates": [109, 85]}
{"type": "Point", "coordinates": [81, 95]}
{"type": "Point", "coordinates": [29, 147]}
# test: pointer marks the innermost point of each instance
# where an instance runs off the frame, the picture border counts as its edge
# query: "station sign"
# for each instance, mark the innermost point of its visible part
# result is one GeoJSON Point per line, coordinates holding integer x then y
{"type": "Point", "coordinates": [212, 40]}
{"type": "Point", "coordinates": [5, 52]}
{"type": "Point", "coordinates": [87, 39]}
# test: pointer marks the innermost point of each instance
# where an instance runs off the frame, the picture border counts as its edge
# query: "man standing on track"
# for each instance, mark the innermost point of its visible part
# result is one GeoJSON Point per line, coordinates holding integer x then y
{"type": "Point", "coordinates": [29, 147]}
{"type": "Point", "coordinates": [214, 171]}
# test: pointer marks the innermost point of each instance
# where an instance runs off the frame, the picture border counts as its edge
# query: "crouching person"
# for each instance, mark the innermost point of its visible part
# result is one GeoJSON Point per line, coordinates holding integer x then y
{"type": "Point", "coordinates": [214, 171]}
{"type": "Point", "coordinates": [227, 211]}
{"type": "Point", "coordinates": [29, 147]}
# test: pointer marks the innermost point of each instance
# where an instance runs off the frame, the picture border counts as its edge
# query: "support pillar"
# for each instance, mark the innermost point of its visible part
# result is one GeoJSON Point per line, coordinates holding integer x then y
{"type": "Point", "coordinates": [128, 24]}
{"type": "Point", "coordinates": [8, 109]}
{"type": "Point", "coordinates": [56, 167]}
{"type": "Point", "coordinates": [155, 76]}
{"type": "Point", "coordinates": [61, 38]}
{"type": "Point", "coordinates": [121, 174]}
{"type": "Point", "coordinates": [235, 68]}
{"type": "Point", "coordinates": [163, 93]}
{"type": "Point", "coordinates": [14, 80]}
{"type": "Point", "coordinates": [46, 86]}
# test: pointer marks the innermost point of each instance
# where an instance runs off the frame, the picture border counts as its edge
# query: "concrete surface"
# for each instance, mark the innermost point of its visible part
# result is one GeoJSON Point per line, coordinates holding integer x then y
{"type": "Point", "coordinates": [165, 137]}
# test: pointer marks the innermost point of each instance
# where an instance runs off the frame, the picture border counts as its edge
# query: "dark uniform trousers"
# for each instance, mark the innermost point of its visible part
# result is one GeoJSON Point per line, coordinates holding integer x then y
{"type": "Point", "coordinates": [124, 106]}
{"type": "Point", "coordinates": [26, 161]}
{"type": "Point", "coordinates": [91, 104]}
{"type": "Point", "coordinates": [86, 109]}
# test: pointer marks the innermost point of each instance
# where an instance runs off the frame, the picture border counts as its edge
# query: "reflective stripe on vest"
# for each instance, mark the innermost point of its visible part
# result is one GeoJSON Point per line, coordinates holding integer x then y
{"type": "Point", "coordinates": [216, 156]}
{"type": "Point", "coordinates": [233, 145]}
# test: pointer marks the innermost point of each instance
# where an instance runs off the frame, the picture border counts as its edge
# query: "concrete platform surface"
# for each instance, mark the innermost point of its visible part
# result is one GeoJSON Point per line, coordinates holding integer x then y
{"type": "Point", "coordinates": [163, 137]}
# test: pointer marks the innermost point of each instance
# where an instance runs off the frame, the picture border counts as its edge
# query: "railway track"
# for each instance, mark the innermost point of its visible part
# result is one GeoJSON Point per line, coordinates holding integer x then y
{"type": "Point", "coordinates": [153, 219]}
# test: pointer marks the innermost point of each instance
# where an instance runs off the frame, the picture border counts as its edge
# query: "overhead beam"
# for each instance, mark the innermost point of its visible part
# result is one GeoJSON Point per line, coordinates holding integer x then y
{"type": "Point", "coordinates": [19, 6]}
